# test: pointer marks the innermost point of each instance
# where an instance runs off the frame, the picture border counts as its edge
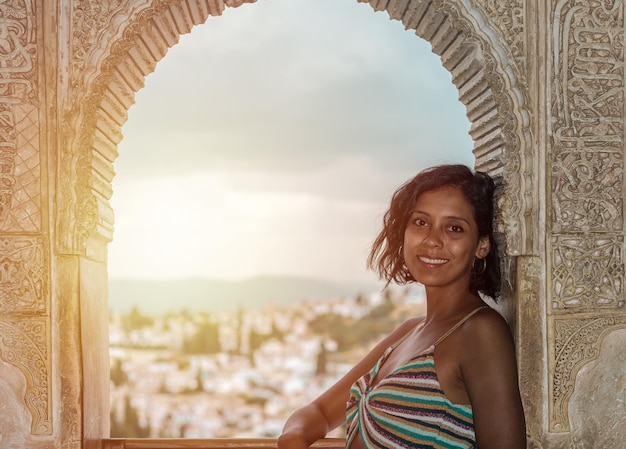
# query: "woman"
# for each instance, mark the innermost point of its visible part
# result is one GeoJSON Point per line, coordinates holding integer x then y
{"type": "Point", "coordinates": [449, 378]}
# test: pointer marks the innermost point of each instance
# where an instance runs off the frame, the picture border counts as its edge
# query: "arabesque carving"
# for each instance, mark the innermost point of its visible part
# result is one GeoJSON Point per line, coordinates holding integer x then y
{"type": "Point", "coordinates": [587, 187]}
{"type": "Point", "coordinates": [18, 51]}
{"type": "Point", "coordinates": [24, 344]}
{"type": "Point", "coordinates": [577, 341]}
{"type": "Point", "coordinates": [588, 271]}
{"type": "Point", "coordinates": [586, 73]}
{"type": "Point", "coordinates": [588, 116]}
{"type": "Point", "coordinates": [92, 24]}
{"type": "Point", "coordinates": [92, 29]}
{"type": "Point", "coordinates": [24, 265]}
{"type": "Point", "coordinates": [508, 16]}
{"type": "Point", "coordinates": [8, 154]}
{"type": "Point", "coordinates": [23, 275]}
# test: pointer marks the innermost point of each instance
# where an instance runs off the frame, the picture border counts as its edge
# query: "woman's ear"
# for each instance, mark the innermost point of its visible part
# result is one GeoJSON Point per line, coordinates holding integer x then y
{"type": "Point", "coordinates": [483, 247]}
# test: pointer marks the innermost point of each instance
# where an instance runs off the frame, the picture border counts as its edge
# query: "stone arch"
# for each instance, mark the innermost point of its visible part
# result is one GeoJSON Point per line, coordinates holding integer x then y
{"type": "Point", "coordinates": [114, 46]}
{"type": "Point", "coordinates": [485, 72]}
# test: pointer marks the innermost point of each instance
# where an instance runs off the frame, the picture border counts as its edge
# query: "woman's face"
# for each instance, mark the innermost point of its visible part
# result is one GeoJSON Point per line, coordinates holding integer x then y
{"type": "Point", "coordinates": [441, 240]}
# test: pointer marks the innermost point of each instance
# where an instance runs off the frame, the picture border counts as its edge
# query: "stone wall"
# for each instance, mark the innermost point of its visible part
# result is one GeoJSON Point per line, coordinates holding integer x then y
{"type": "Point", "coordinates": [543, 84]}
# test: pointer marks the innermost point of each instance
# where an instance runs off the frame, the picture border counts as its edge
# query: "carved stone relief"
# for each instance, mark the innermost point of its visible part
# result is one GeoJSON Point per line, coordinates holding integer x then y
{"type": "Point", "coordinates": [586, 261]}
{"type": "Point", "coordinates": [19, 158]}
{"type": "Point", "coordinates": [24, 261]}
{"type": "Point", "coordinates": [508, 20]}
{"type": "Point", "coordinates": [14, 417]}
{"type": "Point", "coordinates": [23, 276]}
{"type": "Point", "coordinates": [577, 341]}
{"type": "Point", "coordinates": [93, 27]}
{"type": "Point", "coordinates": [588, 271]}
{"type": "Point", "coordinates": [508, 17]}
{"type": "Point", "coordinates": [599, 398]}
{"type": "Point", "coordinates": [587, 97]}
{"type": "Point", "coordinates": [587, 187]}
{"type": "Point", "coordinates": [24, 344]}
{"type": "Point", "coordinates": [531, 359]}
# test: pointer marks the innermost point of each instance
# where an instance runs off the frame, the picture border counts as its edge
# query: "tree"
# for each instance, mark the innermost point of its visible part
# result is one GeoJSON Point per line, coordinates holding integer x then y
{"type": "Point", "coordinates": [118, 375]}
{"type": "Point", "coordinates": [130, 427]}
{"type": "Point", "coordinates": [204, 341]}
{"type": "Point", "coordinates": [322, 360]}
{"type": "Point", "coordinates": [135, 320]}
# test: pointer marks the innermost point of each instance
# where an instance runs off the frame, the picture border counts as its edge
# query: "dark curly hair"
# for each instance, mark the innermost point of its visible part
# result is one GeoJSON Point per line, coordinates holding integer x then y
{"type": "Point", "coordinates": [386, 256]}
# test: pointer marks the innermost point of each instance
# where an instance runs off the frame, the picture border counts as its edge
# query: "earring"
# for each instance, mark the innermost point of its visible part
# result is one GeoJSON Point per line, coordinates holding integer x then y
{"type": "Point", "coordinates": [482, 269]}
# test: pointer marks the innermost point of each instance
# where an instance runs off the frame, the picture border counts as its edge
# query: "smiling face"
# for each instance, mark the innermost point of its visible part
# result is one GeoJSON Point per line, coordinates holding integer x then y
{"type": "Point", "coordinates": [441, 240]}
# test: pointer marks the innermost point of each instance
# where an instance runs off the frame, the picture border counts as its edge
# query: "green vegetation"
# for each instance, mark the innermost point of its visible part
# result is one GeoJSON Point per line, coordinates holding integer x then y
{"type": "Point", "coordinates": [350, 333]}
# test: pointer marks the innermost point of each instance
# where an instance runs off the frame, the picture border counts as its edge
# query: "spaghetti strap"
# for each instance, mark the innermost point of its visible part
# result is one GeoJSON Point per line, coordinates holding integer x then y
{"type": "Point", "coordinates": [457, 325]}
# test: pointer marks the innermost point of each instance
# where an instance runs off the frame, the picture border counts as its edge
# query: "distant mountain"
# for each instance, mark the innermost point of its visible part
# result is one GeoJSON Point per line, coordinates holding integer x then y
{"type": "Point", "coordinates": [196, 294]}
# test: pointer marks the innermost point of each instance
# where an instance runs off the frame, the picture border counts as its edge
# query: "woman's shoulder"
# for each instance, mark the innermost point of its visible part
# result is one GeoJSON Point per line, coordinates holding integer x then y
{"type": "Point", "coordinates": [485, 329]}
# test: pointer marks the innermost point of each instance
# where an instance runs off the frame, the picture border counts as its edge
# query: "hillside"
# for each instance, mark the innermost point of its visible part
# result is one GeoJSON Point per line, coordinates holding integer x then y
{"type": "Point", "coordinates": [161, 296]}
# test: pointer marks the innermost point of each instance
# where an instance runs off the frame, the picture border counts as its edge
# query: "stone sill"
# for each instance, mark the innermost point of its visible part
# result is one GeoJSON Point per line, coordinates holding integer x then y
{"type": "Point", "coordinates": [226, 443]}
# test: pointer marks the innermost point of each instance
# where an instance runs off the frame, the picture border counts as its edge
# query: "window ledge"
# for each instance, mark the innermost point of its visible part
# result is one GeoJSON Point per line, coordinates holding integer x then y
{"type": "Point", "coordinates": [225, 443]}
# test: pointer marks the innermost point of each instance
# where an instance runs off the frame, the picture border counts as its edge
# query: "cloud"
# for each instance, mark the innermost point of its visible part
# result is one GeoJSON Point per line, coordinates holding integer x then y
{"type": "Point", "coordinates": [292, 85]}
{"type": "Point", "coordinates": [270, 140]}
{"type": "Point", "coordinates": [211, 226]}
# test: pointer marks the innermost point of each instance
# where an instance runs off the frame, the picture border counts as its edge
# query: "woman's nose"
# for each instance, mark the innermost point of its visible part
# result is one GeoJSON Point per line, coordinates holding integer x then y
{"type": "Point", "coordinates": [432, 239]}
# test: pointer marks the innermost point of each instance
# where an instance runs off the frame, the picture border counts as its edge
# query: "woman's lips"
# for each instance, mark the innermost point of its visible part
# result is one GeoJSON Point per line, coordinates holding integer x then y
{"type": "Point", "coordinates": [432, 261]}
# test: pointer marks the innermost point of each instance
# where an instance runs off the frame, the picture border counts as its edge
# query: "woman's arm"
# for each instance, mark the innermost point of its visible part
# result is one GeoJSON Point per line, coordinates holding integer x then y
{"type": "Point", "coordinates": [305, 426]}
{"type": "Point", "coordinates": [313, 421]}
{"type": "Point", "coordinates": [489, 371]}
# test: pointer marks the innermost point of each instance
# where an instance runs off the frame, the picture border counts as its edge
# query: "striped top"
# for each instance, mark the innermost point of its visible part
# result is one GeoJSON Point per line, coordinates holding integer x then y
{"type": "Point", "coordinates": [408, 408]}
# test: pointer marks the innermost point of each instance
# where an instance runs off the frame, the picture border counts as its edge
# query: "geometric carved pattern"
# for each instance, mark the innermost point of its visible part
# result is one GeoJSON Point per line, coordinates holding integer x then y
{"type": "Point", "coordinates": [20, 188]}
{"type": "Point", "coordinates": [587, 272]}
{"type": "Point", "coordinates": [23, 275]}
{"type": "Point", "coordinates": [24, 344]}
{"type": "Point", "coordinates": [577, 341]}
{"type": "Point", "coordinates": [17, 87]}
{"type": "Point", "coordinates": [25, 212]}
{"type": "Point", "coordinates": [587, 191]}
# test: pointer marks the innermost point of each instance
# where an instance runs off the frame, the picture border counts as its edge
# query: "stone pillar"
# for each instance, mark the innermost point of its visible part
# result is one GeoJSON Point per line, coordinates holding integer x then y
{"type": "Point", "coordinates": [27, 382]}
{"type": "Point", "coordinates": [585, 219]}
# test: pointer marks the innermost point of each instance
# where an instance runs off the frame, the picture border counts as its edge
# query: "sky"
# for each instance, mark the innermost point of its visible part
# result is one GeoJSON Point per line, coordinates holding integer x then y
{"type": "Point", "coordinates": [270, 139]}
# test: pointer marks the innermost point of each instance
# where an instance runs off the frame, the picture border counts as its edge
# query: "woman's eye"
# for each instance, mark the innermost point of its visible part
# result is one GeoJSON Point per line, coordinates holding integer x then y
{"type": "Point", "coordinates": [419, 222]}
{"type": "Point", "coordinates": [456, 228]}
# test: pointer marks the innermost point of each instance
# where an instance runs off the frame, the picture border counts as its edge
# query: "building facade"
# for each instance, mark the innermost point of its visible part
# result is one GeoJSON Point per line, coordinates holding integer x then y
{"type": "Point", "coordinates": [543, 85]}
